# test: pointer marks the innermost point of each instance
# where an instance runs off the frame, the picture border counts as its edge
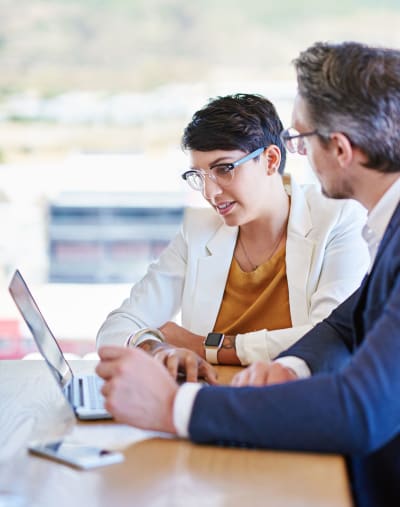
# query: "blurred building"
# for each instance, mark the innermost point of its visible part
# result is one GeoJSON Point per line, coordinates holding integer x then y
{"type": "Point", "coordinates": [109, 237]}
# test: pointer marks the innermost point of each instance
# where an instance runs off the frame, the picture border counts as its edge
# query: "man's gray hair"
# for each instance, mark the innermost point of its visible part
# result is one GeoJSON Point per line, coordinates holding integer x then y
{"type": "Point", "coordinates": [355, 89]}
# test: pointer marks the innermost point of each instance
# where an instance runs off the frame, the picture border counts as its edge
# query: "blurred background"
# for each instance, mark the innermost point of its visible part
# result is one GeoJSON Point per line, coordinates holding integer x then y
{"type": "Point", "coordinates": [94, 95]}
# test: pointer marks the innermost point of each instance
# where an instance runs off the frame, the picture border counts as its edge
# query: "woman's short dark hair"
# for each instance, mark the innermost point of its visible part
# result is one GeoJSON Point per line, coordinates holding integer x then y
{"type": "Point", "coordinates": [235, 122]}
{"type": "Point", "coordinates": [354, 89]}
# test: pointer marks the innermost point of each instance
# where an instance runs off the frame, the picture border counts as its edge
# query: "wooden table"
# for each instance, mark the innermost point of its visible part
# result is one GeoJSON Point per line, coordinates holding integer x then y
{"type": "Point", "coordinates": [158, 471]}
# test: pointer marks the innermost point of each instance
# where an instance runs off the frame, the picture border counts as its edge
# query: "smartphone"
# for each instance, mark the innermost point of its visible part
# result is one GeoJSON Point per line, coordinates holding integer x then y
{"type": "Point", "coordinates": [76, 455]}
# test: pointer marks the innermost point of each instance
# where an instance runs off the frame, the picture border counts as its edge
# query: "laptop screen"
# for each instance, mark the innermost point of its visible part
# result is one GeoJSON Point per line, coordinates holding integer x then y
{"type": "Point", "coordinates": [42, 335]}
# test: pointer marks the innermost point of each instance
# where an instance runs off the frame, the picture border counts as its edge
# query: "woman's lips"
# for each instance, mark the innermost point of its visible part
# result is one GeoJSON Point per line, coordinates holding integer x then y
{"type": "Point", "coordinates": [225, 207]}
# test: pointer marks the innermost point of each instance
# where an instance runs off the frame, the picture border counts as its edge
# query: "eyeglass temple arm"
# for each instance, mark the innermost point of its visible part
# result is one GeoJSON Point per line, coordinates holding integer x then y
{"type": "Point", "coordinates": [251, 155]}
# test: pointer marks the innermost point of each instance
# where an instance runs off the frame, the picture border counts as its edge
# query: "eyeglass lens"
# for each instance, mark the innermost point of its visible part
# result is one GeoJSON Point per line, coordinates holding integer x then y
{"type": "Point", "coordinates": [294, 141]}
{"type": "Point", "coordinates": [221, 175]}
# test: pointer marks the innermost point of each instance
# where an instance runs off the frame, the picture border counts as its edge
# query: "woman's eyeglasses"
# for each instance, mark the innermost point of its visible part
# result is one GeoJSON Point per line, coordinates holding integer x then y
{"type": "Point", "coordinates": [221, 174]}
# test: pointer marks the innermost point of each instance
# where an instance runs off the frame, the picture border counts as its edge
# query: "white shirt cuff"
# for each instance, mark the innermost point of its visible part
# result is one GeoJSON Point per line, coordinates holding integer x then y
{"type": "Point", "coordinates": [183, 406]}
{"type": "Point", "coordinates": [251, 347]}
{"type": "Point", "coordinates": [296, 364]}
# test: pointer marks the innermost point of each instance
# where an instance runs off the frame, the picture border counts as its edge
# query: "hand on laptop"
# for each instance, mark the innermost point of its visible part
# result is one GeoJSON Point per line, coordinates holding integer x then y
{"type": "Point", "coordinates": [182, 354]}
{"type": "Point", "coordinates": [179, 360]}
{"type": "Point", "coordinates": [137, 389]}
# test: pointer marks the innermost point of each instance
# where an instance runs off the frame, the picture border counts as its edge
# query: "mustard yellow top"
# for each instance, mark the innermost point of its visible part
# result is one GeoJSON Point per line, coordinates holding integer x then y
{"type": "Point", "coordinates": [255, 300]}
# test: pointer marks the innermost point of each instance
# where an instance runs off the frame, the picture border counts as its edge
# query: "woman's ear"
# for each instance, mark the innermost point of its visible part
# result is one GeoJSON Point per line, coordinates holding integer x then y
{"type": "Point", "coordinates": [273, 156]}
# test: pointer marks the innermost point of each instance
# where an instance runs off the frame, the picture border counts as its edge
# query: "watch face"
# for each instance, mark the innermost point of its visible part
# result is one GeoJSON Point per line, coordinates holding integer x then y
{"type": "Point", "coordinates": [213, 339]}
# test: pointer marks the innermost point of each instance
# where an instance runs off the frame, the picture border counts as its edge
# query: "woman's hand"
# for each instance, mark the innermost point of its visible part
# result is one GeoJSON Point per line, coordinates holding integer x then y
{"type": "Point", "coordinates": [263, 373]}
{"type": "Point", "coordinates": [181, 360]}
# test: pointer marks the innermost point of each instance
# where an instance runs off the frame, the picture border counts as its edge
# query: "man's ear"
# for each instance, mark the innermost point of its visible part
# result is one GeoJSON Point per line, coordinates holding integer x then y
{"type": "Point", "coordinates": [273, 156]}
{"type": "Point", "coordinates": [343, 149]}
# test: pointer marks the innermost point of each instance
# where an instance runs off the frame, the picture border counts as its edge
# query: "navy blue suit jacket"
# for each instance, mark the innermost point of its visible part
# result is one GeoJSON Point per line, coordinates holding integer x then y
{"type": "Point", "coordinates": [350, 405]}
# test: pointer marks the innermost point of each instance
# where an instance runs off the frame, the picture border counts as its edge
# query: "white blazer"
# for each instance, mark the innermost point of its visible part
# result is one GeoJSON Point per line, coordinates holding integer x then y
{"type": "Point", "coordinates": [326, 259]}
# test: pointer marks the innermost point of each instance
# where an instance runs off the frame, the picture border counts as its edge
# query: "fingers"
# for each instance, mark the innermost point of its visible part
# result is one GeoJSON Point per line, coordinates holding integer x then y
{"type": "Point", "coordinates": [172, 363]}
{"type": "Point", "coordinates": [114, 360]}
{"type": "Point", "coordinates": [208, 372]}
{"type": "Point", "coordinates": [254, 375]}
{"type": "Point", "coordinates": [174, 359]}
{"type": "Point", "coordinates": [109, 360]}
{"type": "Point", "coordinates": [191, 367]}
{"type": "Point", "coordinates": [137, 389]}
{"type": "Point", "coordinates": [105, 388]}
{"type": "Point", "coordinates": [111, 352]}
{"type": "Point", "coordinates": [180, 360]}
{"type": "Point", "coordinates": [279, 373]}
{"type": "Point", "coordinates": [240, 379]}
{"type": "Point", "coordinates": [262, 373]}
{"type": "Point", "coordinates": [166, 356]}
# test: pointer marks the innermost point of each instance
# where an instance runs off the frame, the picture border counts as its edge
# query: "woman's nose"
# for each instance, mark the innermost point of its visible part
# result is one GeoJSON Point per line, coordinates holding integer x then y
{"type": "Point", "coordinates": [210, 188]}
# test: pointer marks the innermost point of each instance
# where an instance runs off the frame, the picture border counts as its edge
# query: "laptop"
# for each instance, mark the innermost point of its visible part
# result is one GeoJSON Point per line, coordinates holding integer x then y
{"type": "Point", "coordinates": [82, 392]}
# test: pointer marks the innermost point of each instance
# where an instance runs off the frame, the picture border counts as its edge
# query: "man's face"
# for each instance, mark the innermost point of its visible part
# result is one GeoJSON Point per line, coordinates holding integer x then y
{"type": "Point", "coordinates": [322, 157]}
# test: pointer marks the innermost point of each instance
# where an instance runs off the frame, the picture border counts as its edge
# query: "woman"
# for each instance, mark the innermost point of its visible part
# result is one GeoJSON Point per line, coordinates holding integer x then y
{"type": "Point", "coordinates": [252, 274]}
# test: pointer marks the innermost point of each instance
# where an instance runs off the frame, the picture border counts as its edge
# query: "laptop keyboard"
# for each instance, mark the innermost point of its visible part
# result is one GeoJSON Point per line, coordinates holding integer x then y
{"type": "Point", "coordinates": [85, 392]}
{"type": "Point", "coordinates": [96, 400]}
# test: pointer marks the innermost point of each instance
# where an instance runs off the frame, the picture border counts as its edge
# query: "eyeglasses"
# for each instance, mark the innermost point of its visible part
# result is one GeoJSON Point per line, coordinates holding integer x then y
{"type": "Point", "coordinates": [221, 174]}
{"type": "Point", "coordinates": [294, 141]}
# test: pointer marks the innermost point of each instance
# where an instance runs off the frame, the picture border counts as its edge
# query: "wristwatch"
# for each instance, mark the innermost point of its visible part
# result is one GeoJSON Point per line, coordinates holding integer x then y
{"type": "Point", "coordinates": [212, 344]}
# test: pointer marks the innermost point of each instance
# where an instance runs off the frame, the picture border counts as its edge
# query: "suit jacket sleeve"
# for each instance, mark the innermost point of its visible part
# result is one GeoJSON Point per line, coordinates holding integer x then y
{"type": "Point", "coordinates": [334, 334]}
{"type": "Point", "coordinates": [353, 409]}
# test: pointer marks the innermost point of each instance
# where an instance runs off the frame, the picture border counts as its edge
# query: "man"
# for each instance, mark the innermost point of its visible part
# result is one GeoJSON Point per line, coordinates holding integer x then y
{"type": "Point", "coordinates": [346, 119]}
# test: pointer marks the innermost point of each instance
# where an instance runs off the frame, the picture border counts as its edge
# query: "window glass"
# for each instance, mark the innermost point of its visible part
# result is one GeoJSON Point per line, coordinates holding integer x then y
{"type": "Point", "coordinates": [94, 96]}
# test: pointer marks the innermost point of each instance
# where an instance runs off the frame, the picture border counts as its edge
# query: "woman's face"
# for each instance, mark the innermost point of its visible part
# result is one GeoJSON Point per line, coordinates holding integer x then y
{"type": "Point", "coordinates": [242, 199]}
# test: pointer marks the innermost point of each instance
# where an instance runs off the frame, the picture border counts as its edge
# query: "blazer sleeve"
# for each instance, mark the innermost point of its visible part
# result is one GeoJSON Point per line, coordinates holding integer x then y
{"type": "Point", "coordinates": [344, 263]}
{"type": "Point", "coordinates": [154, 300]}
{"type": "Point", "coordinates": [354, 410]}
{"type": "Point", "coordinates": [334, 334]}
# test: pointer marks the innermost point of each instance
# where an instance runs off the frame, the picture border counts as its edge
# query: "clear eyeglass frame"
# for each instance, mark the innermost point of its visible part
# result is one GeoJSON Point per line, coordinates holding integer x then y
{"type": "Point", "coordinates": [221, 174]}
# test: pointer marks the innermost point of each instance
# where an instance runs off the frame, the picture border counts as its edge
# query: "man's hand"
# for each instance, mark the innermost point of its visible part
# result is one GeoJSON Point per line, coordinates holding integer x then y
{"type": "Point", "coordinates": [138, 390]}
{"type": "Point", "coordinates": [262, 373]}
{"type": "Point", "coordinates": [184, 361]}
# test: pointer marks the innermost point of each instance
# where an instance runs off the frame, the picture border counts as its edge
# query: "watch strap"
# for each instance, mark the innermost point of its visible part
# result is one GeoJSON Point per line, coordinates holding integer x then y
{"type": "Point", "coordinates": [211, 354]}
{"type": "Point", "coordinates": [211, 351]}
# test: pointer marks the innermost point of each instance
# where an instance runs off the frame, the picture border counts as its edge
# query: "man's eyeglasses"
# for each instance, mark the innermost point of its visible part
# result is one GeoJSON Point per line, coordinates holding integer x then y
{"type": "Point", "coordinates": [294, 141]}
{"type": "Point", "coordinates": [221, 174]}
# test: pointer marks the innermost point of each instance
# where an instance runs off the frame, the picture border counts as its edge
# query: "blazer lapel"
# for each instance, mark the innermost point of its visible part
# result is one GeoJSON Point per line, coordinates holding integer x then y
{"type": "Point", "coordinates": [212, 274]}
{"type": "Point", "coordinates": [299, 252]}
{"type": "Point", "coordinates": [359, 307]}
{"type": "Point", "coordinates": [393, 226]}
